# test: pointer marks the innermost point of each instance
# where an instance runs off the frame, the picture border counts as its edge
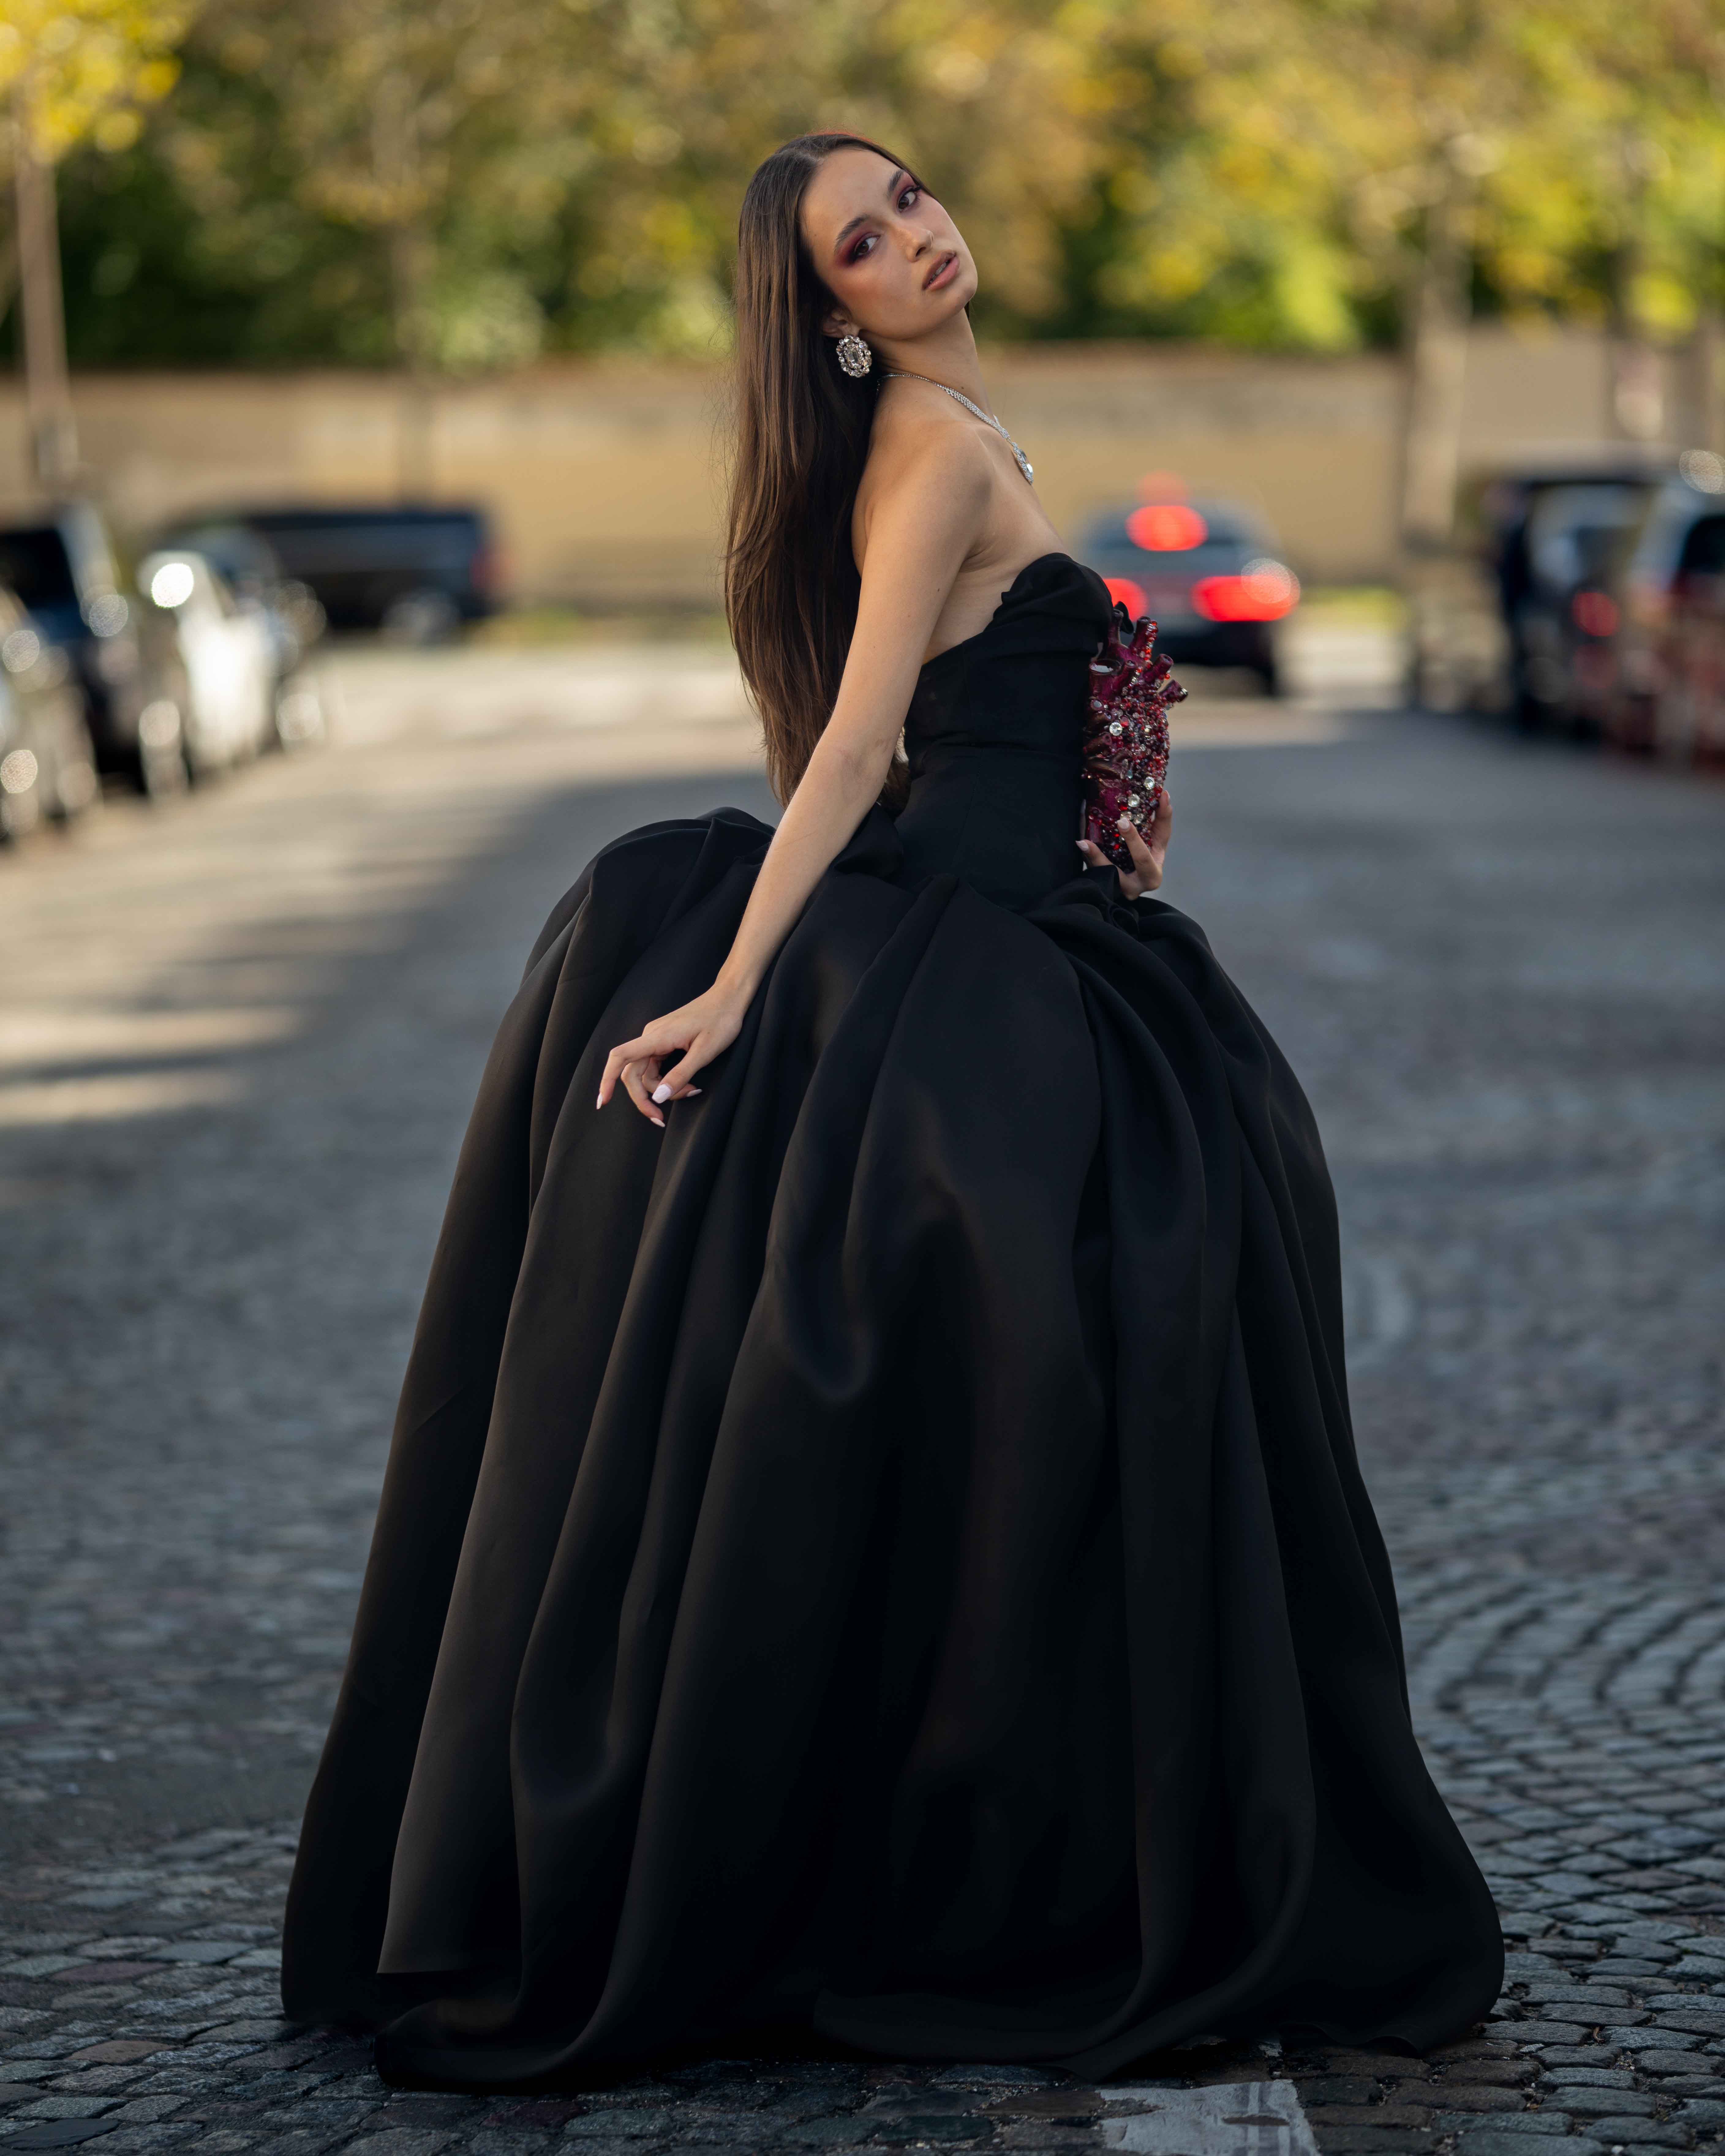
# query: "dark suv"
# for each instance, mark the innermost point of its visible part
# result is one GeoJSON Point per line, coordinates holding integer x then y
{"type": "Point", "coordinates": [416, 573]}
{"type": "Point", "coordinates": [1557, 537]}
{"type": "Point", "coordinates": [1206, 573]}
{"type": "Point", "coordinates": [1667, 685]}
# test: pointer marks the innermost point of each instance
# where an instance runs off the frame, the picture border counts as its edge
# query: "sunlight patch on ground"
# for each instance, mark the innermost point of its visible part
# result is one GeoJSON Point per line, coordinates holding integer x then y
{"type": "Point", "coordinates": [114, 1096]}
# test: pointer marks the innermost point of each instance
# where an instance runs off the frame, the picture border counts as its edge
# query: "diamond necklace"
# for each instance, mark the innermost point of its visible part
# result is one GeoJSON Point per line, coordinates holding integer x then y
{"type": "Point", "coordinates": [988, 418]}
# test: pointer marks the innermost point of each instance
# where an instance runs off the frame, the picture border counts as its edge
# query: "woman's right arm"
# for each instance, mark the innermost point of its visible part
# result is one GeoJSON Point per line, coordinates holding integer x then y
{"type": "Point", "coordinates": [929, 495]}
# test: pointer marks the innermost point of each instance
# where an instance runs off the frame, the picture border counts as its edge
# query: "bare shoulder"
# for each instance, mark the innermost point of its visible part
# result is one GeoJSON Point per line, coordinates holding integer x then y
{"type": "Point", "coordinates": [918, 453]}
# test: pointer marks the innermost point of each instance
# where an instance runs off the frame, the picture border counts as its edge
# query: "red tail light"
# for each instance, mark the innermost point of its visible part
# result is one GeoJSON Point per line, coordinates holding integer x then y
{"type": "Point", "coordinates": [1263, 591]}
{"type": "Point", "coordinates": [1165, 527]}
{"type": "Point", "coordinates": [1132, 597]}
{"type": "Point", "coordinates": [1594, 614]}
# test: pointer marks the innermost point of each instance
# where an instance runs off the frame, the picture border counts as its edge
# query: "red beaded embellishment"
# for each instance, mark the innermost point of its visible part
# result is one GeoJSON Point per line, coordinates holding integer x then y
{"type": "Point", "coordinates": [1126, 733]}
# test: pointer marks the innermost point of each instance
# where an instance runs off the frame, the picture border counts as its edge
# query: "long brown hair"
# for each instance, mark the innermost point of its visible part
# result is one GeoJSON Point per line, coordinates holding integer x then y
{"type": "Point", "coordinates": [801, 439]}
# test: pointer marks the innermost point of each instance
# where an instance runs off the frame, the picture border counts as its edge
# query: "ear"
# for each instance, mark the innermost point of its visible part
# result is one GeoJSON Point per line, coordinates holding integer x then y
{"type": "Point", "coordinates": [836, 323]}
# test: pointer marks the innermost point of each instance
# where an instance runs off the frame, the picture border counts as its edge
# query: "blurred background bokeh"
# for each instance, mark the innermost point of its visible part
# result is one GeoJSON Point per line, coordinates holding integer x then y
{"type": "Point", "coordinates": [362, 459]}
{"type": "Point", "coordinates": [1422, 297]}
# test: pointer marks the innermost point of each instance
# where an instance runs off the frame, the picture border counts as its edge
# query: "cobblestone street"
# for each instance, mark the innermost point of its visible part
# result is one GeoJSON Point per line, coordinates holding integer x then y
{"type": "Point", "coordinates": [239, 1040]}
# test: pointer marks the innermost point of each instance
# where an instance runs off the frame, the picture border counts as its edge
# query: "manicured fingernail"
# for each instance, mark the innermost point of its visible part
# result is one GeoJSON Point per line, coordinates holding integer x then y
{"type": "Point", "coordinates": [659, 1121]}
{"type": "Point", "coordinates": [693, 1089]}
{"type": "Point", "coordinates": [600, 1102]}
{"type": "Point", "coordinates": [661, 1092]}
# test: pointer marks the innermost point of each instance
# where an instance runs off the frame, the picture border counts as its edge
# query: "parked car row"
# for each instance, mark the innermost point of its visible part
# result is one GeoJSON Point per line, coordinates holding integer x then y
{"type": "Point", "coordinates": [190, 659]}
{"type": "Point", "coordinates": [1612, 583]}
{"type": "Point", "coordinates": [170, 675]}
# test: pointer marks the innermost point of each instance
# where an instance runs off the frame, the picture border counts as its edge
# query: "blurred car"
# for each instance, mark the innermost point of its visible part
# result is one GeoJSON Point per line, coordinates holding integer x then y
{"type": "Point", "coordinates": [417, 574]}
{"type": "Point", "coordinates": [122, 655]}
{"type": "Point", "coordinates": [292, 614]}
{"type": "Point", "coordinates": [46, 759]}
{"type": "Point", "coordinates": [1560, 539]}
{"type": "Point", "coordinates": [228, 654]}
{"type": "Point", "coordinates": [1207, 572]}
{"type": "Point", "coordinates": [1666, 691]}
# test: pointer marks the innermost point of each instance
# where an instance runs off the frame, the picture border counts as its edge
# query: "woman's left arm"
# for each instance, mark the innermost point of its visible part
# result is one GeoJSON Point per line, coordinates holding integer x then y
{"type": "Point", "coordinates": [927, 511]}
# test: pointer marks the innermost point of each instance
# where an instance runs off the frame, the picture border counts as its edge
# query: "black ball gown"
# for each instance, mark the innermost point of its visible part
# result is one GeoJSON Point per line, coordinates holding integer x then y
{"type": "Point", "coordinates": [883, 1563]}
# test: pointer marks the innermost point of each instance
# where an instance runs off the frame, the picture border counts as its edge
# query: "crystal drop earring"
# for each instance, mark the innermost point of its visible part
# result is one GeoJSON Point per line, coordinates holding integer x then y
{"type": "Point", "coordinates": [856, 356]}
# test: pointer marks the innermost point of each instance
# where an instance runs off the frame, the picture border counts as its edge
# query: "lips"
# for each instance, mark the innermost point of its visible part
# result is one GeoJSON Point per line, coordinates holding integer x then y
{"type": "Point", "coordinates": [941, 270]}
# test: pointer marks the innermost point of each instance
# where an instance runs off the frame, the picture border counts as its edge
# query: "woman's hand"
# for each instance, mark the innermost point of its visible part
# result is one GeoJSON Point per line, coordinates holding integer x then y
{"type": "Point", "coordinates": [698, 1031]}
{"type": "Point", "coordinates": [1148, 851]}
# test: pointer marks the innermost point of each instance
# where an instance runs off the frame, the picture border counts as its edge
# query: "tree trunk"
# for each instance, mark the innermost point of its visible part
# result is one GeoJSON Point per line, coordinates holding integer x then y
{"type": "Point", "coordinates": [414, 462]}
{"type": "Point", "coordinates": [8, 268]}
{"type": "Point", "coordinates": [1636, 406]}
{"type": "Point", "coordinates": [1637, 395]}
{"type": "Point", "coordinates": [396, 159]}
{"type": "Point", "coordinates": [1437, 370]}
{"type": "Point", "coordinates": [48, 393]}
{"type": "Point", "coordinates": [1705, 353]}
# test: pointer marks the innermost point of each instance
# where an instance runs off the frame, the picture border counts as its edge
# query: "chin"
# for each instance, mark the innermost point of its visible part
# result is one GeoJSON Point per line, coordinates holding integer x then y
{"type": "Point", "coordinates": [957, 296]}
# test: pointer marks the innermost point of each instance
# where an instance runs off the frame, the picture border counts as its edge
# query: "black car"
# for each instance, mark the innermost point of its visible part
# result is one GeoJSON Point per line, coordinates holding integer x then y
{"type": "Point", "coordinates": [1557, 537]}
{"type": "Point", "coordinates": [416, 573]}
{"type": "Point", "coordinates": [1664, 689]}
{"type": "Point", "coordinates": [120, 651]}
{"type": "Point", "coordinates": [47, 764]}
{"type": "Point", "coordinates": [1207, 572]}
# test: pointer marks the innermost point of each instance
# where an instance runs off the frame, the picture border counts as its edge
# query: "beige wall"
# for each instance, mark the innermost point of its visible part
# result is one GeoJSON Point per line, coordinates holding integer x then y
{"type": "Point", "coordinates": [604, 478]}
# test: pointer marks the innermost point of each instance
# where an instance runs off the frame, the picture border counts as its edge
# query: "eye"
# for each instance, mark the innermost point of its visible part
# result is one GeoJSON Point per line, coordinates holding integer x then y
{"type": "Point", "coordinates": [858, 247]}
{"type": "Point", "coordinates": [909, 196]}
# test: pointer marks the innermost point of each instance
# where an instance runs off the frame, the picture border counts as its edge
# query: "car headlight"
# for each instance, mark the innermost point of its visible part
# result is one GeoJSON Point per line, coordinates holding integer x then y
{"type": "Point", "coordinates": [171, 585]}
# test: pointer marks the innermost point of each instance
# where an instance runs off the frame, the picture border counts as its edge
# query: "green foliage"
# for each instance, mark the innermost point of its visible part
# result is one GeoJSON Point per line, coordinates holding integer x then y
{"type": "Point", "coordinates": [80, 70]}
{"type": "Point", "coordinates": [462, 184]}
{"type": "Point", "coordinates": [164, 263]}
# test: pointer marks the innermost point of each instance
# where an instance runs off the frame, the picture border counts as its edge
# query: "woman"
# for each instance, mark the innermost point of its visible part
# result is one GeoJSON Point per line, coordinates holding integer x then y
{"type": "Point", "coordinates": [872, 1553]}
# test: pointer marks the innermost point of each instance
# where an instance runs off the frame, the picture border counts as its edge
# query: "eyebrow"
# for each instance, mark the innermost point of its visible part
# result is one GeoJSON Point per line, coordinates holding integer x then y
{"type": "Point", "coordinates": [898, 173]}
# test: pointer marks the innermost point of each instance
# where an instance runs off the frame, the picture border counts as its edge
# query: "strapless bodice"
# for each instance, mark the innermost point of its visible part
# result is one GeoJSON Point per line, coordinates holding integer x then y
{"type": "Point", "coordinates": [993, 735]}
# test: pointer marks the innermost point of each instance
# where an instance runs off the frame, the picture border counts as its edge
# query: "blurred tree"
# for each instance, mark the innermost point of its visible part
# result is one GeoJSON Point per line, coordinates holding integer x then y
{"type": "Point", "coordinates": [517, 174]}
{"type": "Point", "coordinates": [1205, 214]}
{"type": "Point", "coordinates": [68, 71]}
{"type": "Point", "coordinates": [1390, 159]}
{"type": "Point", "coordinates": [1643, 99]}
{"type": "Point", "coordinates": [423, 127]}
{"type": "Point", "coordinates": [686, 97]}
{"type": "Point", "coordinates": [460, 183]}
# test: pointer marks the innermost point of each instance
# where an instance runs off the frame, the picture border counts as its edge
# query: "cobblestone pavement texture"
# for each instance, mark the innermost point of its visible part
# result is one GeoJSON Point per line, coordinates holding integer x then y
{"type": "Point", "coordinates": [239, 1043]}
